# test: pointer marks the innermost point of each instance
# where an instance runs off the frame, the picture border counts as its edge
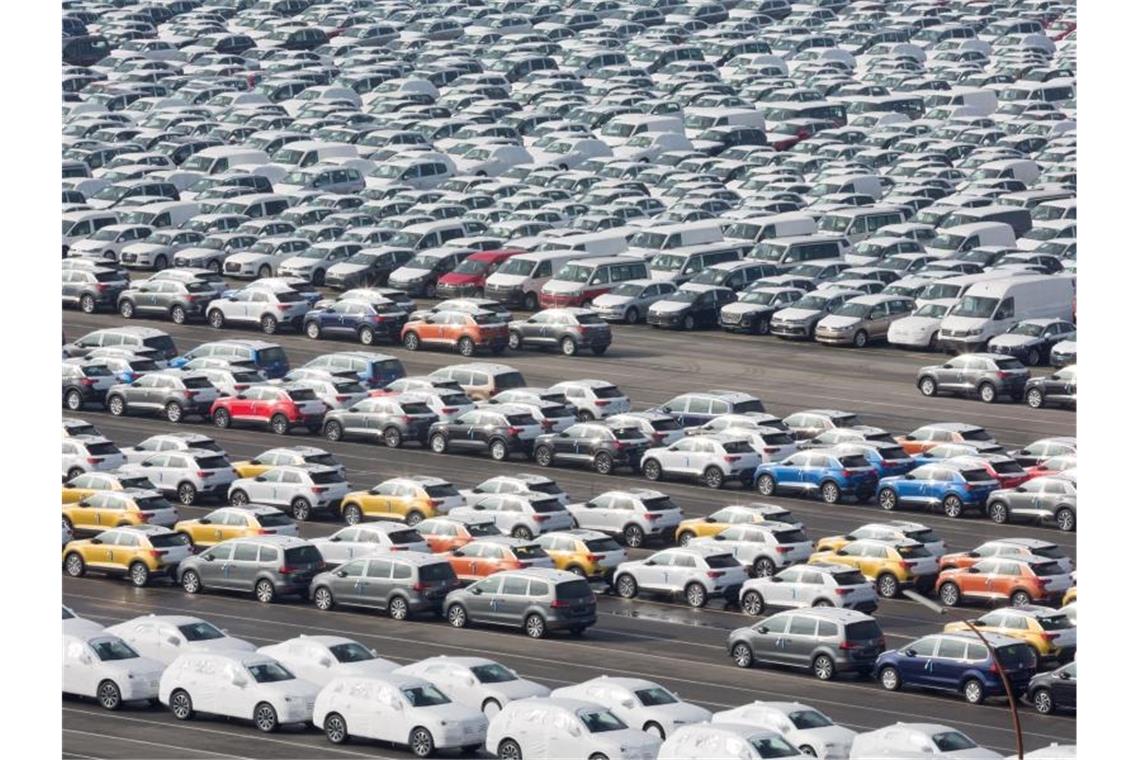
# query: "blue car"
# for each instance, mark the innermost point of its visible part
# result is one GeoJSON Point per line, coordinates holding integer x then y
{"type": "Point", "coordinates": [960, 663]}
{"type": "Point", "coordinates": [952, 487]}
{"type": "Point", "coordinates": [831, 473]}
{"type": "Point", "coordinates": [360, 320]}
{"type": "Point", "coordinates": [372, 369]}
{"type": "Point", "coordinates": [268, 358]}
{"type": "Point", "coordinates": [888, 459]}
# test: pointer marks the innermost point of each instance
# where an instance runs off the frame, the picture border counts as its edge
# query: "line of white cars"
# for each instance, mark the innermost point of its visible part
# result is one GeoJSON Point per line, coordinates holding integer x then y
{"type": "Point", "coordinates": [347, 690]}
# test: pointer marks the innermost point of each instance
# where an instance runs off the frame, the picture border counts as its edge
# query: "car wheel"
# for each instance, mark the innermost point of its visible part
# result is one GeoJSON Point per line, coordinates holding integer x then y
{"type": "Point", "coordinates": [713, 477]}
{"type": "Point", "coordinates": [584, 416]}
{"type": "Point", "coordinates": [269, 324]}
{"type": "Point", "coordinates": [457, 616]}
{"type": "Point", "coordinates": [181, 706]}
{"type": "Point", "coordinates": [888, 499]}
{"type": "Point", "coordinates": [764, 567]}
{"type": "Point", "coordinates": [860, 339]}
{"type": "Point", "coordinates": [216, 319]}
{"type": "Point", "coordinates": [173, 412]}
{"type": "Point", "coordinates": [110, 698]}
{"type": "Point", "coordinates": [823, 667]}
{"type": "Point", "coordinates": [626, 586]}
{"type": "Point", "coordinates": [544, 456]}
{"type": "Point", "coordinates": [191, 583]}
{"type": "Point", "coordinates": [1020, 599]}
{"type": "Point", "coordinates": [950, 594]}
{"type": "Point", "coordinates": [654, 729]}
{"type": "Point", "coordinates": [632, 317]}
{"type": "Point", "coordinates": [987, 393]}
{"type": "Point", "coordinates": [1066, 519]}
{"type": "Point", "coordinates": [116, 406]}
{"type": "Point", "coordinates": [514, 340]}
{"type": "Point", "coordinates": [239, 498]}
{"type": "Point", "coordinates": [523, 532]}
{"type": "Point", "coordinates": [318, 278]}
{"type": "Point", "coordinates": [265, 718]}
{"type": "Point", "coordinates": [1033, 358]}
{"type": "Point", "coordinates": [160, 263]}
{"type": "Point", "coordinates": [323, 599]}
{"type": "Point", "coordinates": [1043, 701]}
{"type": "Point", "coordinates": [999, 512]}
{"type": "Point", "coordinates": [414, 518]}
{"type": "Point", "coordinates": [534, 626]}
{"type": "Point", "coordinates": [74, 472]}
{"type": "Point", "coordinates": [263, 591]}
{"type": "Point", "coordinates": [576, 570]}
{"type": "Point", "coordinates": [603, 463]}
{"type": "Point", "coordinates": [264, 271]}
{"type": "Point", "coordinates": [352, 514]}
{"type": "Point", "coordinates": [438, 443]}
{"type": "Point", "coordinates": [822, 603]}
{"type": "Point", "coordinates": [139, 574]}
{"type": "Point", "coordinates": [301, 509]}
{"type": "Point", "coordinates": [830, 493]}
{"type": "Point", "coordinates": [398, 608]}
{"type": "Point", "coordinates": [763, 327]}
{"type": "Point", "coordinates": [73, 400]}
{"type": "Point", "coordinates": [421, 742]}
{"type": "Point", "coordinates": [333, 431]}
{"type": "Point", "coordinates": [367, 336]}
{"type": "Point", "coordinates": [685, 538]}
{"type": "Point", "coordinates": [530, 302]}
{"type": "Point", "coordinates": [74, 565]}
{"type": "Point", "coordinates": [887, 585]}
{"type": "Point", "coordinates": [652, 471]}
{"type": "Point", "coordinates": [569, 347]}
{"type": "Point", "coordinates": [766, 484]}
{"type": "Point", "coordinates": [688, 322]}
{"type": "Point", "coordinates": [87, 304]}
{"type": "Point", "coordinates": [952, 505]}
{"type": "Point", "coordinates": [279, 424]}
{"type": "Point", "coordinates": [466, 346]}
{"type": "Point", "coordinates": [927, 386]}
{"type": "Point", "coordinates": [411, 341]}
{"type": "Point", "coordinates": [633, 536]}
{"type": "Point", "coordinates": [973, 692]}
{"type": "Point", "coordinates": [126, 309]}
{"type": "Point", "coordinates": [742, 655]}
{"type": "Point", "coordinates": [177, 315]}
{"type": "Point", "coordinates": [808, 751]}
{"type": "Point", "coordinates": [336, 731]}
{"type": "Point", "coordinates": [499, 451]}
{"type": "Point", "coordinates": [313, 330]}
{"type": "Point", "coordinates": [752, 603]}
{"type": "Point", "coordinates": [221, 418]}
{"type": "Point", "coordinates": [889, 679]}
{"type": "Point", "coordinates": [393, 437]}
{"type": "Point", "coordinates": [509, 749]}
{"type": "Point", "coordinates": [1035, 398]}
{"type": "Point", "coordinates": [696, 595]}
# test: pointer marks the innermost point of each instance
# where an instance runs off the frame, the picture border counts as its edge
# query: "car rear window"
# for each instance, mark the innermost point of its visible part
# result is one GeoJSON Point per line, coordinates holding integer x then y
{"type": "Point", "coordinates": [854, 460]}
{"type": "Point", "coordinates": [975, 476]}
{"type": "Point", "coordinates": [1007, 468]}
{"type": "Point", "coordinates": [455, 399]}
{"type": "Point", "coordinates": [547, 506]}
{"type": "Point", "coordinates": [163, 344]}
{"type": "Point", "coordinates": [303, 555]}
{"type": "Point", "coordinates": [665, 424]}
{"type": "Point", "coordinates": [96, 370]}
{"type": "Point", "coordinates": [274, 520]}
{"type": "Point", "coordinates": [302, 394]}
{"type": "Point", "coordinates": [289, 296]}
{"type": "Point", "coordinates": [529, 551]}
{"type": "Point", "coordinates": [197, 286]}
{"type": "Point", "coordinates": [716, 561]}
{"type": "Point", "coordinates": [738, 447]}
{"type": "Point", "coordinates": [271, 355]}
{"type": "Point", "coordinates": [171, 540]}
{"type": "Point", "coordinates": [1054, 622]}
{"type": "Point", "coordinates": [778, 439]}
{"type": "Point", "coordinates": [975, 434]}
{"type": "Point", "coordinates": [558, 410]}
{"type": "Point", "coordinates": [212, 463]}
{"type": "Point", "coordinates": [1009, 364]}
{"type": "Point", "coordinates": [348, 386]}
{"type": "Point", "coordinates": [520, 419]}
{"type": "Point", "coordinates": [327, 476]}
{"type": "Point", "coordinates": [152, 502]}
{"type": "Point", "coordinates": [478, 530]}
{"type": "Point", "coordinates": [894, 452]}
{"type": "Point", "coordinates": [1046, 568]}
{"type": "Point", "coordinates": [196, 383]}
{"type": "Point", "coordinates": [852, 578]}
{"type": "Point", "coordinates": [590, 319]}
{"type": "Point", "coordinates": [922, 536]}
{"type": "Point", "coordinates": [578, 589]}
{"type": "Point", "coordinates": [107, 276]}
{"type": "Point", "coordinates": [743, 407]}
{"type": "Point", "coordinates": [1016, 655]}
{"type": "Point", "coordinates": [790, 536]}
{"type": "Point", "coordinates": [139, 482]}
{"type": "Point", "coordinates": [627, 434]}
{"type": "Point", "coordinates": [1051, 551]}
{"type": "Point", "coordinates": [325, 459]}
{"type": "Point", "coordinates": [607, 391]}
{"type": "Point", "coordinates": [249, 377]}
{"type": "Point", "coordinates": [441, 491]}
{"type": "Point", "coordinates": [415, 407]}
{"type": "Point", "coordinates": [864, 629]}
{"type": "Point", "coordinates": [659, 504]}
{"type": "Point", "coordinates": [508, 380]}
{"type": "Point", "coordinates": [102, 449]}
{"type": "Point", "coordinates": [486, 319]}
{"type": "Point", "coordinates": [907, 552]}
{"type": "Point", "coordinates": [437, 571]}
{"type": "Point", "coordinates": [408, 536]}
{"type": "Point", "coordinates": [606, 545]}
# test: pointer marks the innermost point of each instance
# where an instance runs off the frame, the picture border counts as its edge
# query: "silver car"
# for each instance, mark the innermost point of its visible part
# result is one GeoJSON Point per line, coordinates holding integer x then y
{"type": "Point", "coordinates": [762, 548]}
{"type": "Point", "coordinates": [522, 515]}
{"type": "Point", "coordinates": [696, 573]}
{"type": "Point", "coordinates": [89, 453]}
{"type": "Point", "coordinates": [521, 483]}
{"type": "Point", "coordinates": [296, 489]}
{"type": "Point", "coordinates": [169, 442]}
{"type": "Point", "coordinates": [630, 301]}
{"type": "Point", "coordinates": [186, 474]}
{"type": "Point", "coordinates": [636, 515]}
{"type": "Point", "coordinates": [815, 585]}
{"type": "Point", "coordinates": [660, 428]}
{"type": "Point", "coordinates": [709, 459]}
{"type": "Point", "coordinates": [370, 538]}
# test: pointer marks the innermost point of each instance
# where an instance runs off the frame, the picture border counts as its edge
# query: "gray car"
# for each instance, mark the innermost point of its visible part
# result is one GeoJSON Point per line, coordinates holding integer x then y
{"type": "Point", "coordinates": [800, 318]}
{"type": "Point", "coordinates": [1051, 499]}
{"type": "Point", "coordinates": [177, 301]}
{"type": "Point", "coordinates": [537, 600]}
{"type": "Point", "coordinates": [173, 395]}
{"type": "Point", "coordinates": [401, 584]}
{"type": "Point", "coordinates": [987, 376]}
{"type": "Point", "coordinates": [828, 640]}
{"type": "Point", "coordinates": [266, 566]}
{"type": "Point", "coordinates": [391, 419]}
{"type": "Point", "coordinates": [630, 301]}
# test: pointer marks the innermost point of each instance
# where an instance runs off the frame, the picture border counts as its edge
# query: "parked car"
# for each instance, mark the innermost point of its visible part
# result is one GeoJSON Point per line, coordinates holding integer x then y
{"type": "Point", "coordinates": [959, 663]}
{"type": "Point", "coordinates": [988, 376]}
{"type": "Point", "coordinates": [568, 330]}
{"type": "Point", "coordinates": [535, 600]}
{"type": "Point", "coordinates": [828, 641]}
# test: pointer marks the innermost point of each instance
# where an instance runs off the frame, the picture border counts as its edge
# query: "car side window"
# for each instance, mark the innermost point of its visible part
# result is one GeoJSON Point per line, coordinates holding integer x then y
{"type": "Point", "coordinates": [802, 626]}
{"type": "Point", "coordinates": [776, 624]}
{"type": "Point", "coordinates": [924, 647]}
{"type": "Point", "coordinates": [380, 568]}
{"type": "Point", "coordinates": [245, 553]}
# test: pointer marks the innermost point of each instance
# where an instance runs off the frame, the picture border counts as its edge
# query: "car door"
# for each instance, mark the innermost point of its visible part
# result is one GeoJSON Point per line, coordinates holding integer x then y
{"type": "Point", "coordinates": [594, 513]}
{"type": "Point", "coordinates": [376, 585]}
{"type": "Point", "coordinates": [781, 590]}
{"type": "Point", "coordinates": [653, 572]}
{"type": "Point", "coordinates": [916, 660]}
{"type": "Point", "coordinates": [348, 582]}
{"type": "Point", "coordinates": [1063, 683]}
{"type": "Point", "coordinates": [770, 639]}
{"type": "Point", "coordinates": [511, 601]}
{"type": "Point", "coordinates": [800, 641]}
{"type": "Point", "coordinates": [948, 663]}
{"type": "Point", "coordinates": [214, 569]}
{"type": "Point", "coordinates": [483, 601]}
{"type": "Point", "coordinates": [242, 568]}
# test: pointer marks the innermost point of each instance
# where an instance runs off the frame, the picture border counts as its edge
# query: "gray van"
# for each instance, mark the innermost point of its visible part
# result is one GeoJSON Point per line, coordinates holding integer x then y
{"type": "Point", "coordinates": [402, 583]}
{"type": "Point", "coordinates": [267, 566]}
{"type": "Point", "coordinates": [828, 640]}
{"type": "Point", "coordinates": [785, 253]}
{"type": "Point", "coordinates": [537, 600]}
{"type": "Point", "coordinates": [148, 341]}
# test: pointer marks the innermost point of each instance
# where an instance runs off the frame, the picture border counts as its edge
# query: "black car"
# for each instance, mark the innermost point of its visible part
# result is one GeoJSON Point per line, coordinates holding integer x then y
{"type": "Point", "coordinates": [367, 267]}
{"type": "Point", "coordinates": [1054, 689]}
{"type": "Point", "coordinates": [753, 310]}
{"type": "Point", "coordinates": [567, 329]}
{"type": "Point", "coordinates": [1057, 388]}
{"type": "Point", "coordinates": [91, 288]}
{"type": "Point", "coordinates": [499, 431]}
{"type": "Point", "coordinates": [690, 307]}
{"type": "Point", "coordinates": [595, 444]}
{"type": "Point", "coordinates": [177, 300]}
{"type": "Point", "coordinates": [169, 394]}
{"type": "Point", "coordinates": [85, 381]}
{"type": "Point", "coordinates": [1032, 340]}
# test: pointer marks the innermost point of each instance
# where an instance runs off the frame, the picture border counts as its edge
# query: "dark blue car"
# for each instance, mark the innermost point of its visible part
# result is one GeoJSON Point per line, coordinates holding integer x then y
{"type": "Point", "coordinates": [267, 357]}
{"type": "Point", "coordinates": [372, 369]}
{"type": "Point", "coordinates": [958, 662]}
{"type": "Point", "coordinates": [952, 487]}
{"type": "Point", "coordinates": [359, 320]}
{"type": "Point", "coordinates": [831, 474]}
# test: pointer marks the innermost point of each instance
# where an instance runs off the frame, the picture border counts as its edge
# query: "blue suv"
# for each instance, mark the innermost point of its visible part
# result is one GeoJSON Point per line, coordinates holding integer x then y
{"type": "Point", "coordinates": [888, 459]}
{"type": "Point", "coordinates": [361, 320]}
{"type": "Point", "coordinates": [269, 358]}
{"type": "Point", "coordinates": [952, 487]}
{"type": "Point", "coordinates": [958, 662]}
{"type": "Point", "coordinates": [832, 474]}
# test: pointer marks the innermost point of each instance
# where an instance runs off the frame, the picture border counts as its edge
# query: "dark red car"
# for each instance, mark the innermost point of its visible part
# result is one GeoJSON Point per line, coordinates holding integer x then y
{"type": "Point", "coordinates": [278, 407]}
{"type": "Point", "coordinates": [469, 277]}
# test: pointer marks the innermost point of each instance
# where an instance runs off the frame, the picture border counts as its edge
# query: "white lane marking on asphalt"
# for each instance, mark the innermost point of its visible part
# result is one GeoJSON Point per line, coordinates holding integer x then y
{"type": "Point", "coordinates": [152, 744]}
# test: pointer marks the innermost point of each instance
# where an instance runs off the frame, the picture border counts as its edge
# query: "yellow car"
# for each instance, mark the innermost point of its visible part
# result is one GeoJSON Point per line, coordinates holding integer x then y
{"type": "Point", "coordinates": [890, 565]}
{"type": "Point", "coordinates": [1069, 597]}
{"type": "Point", "coordinates": [733, 514]}
{"type": "Point", "coordinates": [588, 553]}
{"type": "Point", "coordinates": [114, 509]}
{"type": "Point", "coordinates": [287, 455]}
{"type": "Point", "coordinates": [410, 499]}
{"type": "Point", "coordinates": [893, 530]}
{"type": "Point", "coordinates": [1048, 631]}
{"type": "Point", "coordinates": [138, 552]}
{"type": "Point", "coordinates": [82, 486]}
{"type": "Point", "coordinates": [236, 522]}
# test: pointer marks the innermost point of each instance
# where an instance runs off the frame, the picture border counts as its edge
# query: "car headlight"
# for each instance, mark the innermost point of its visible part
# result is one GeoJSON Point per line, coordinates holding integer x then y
{"type": "Point", "coordinates": [974, 332]}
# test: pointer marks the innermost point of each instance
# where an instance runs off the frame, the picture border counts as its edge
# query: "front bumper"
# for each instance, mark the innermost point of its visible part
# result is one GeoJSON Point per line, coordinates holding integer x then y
{"type": "Point", "coordinates": [453, 290]}
{"type": "Point", "coordinates": [796, 330]}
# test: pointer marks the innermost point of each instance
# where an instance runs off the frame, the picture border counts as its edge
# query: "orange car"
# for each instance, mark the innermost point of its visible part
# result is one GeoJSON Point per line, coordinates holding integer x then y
{"type": "Point", "coordinates": [466, 332]}
{"type": "Point", "coordinates": [929, 436]}
{"type": "Point", "coordinates": [444, 534]}
{"type": "Point", "coordinates": [999, 579]}
{"type": "Point", "coordinates": [1028, 549]}
{"type": "Point", "coordinates": [485, 556]}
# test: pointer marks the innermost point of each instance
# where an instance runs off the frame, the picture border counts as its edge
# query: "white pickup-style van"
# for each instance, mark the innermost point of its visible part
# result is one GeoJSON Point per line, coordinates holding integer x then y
{"type": "Point", "coordinates": [756, 229]}
{"type": "Point", "coordinates": [990, 308]}
{"type": "Point", "coordinates": [953, 241]}
{"type": "Point", "coordinates": [519, 281]}
{"type": "Point", "coordinates": [649, 243]}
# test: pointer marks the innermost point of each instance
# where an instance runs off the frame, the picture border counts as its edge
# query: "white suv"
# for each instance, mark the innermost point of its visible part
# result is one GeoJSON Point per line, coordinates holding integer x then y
{"type": "Point", "coordinates": [521, 483]}
{"type": "Point", "coordinates": [267, 307]}
{"type": "Point", "coordinates": [697, 573]}
{"type": "Point", "coordinates": [594, 399]}
{"type": "Point", "coordinates": [296, 489]}
{"type": "Point", "coordinates": [87, 453]}
{"type": "Point", "coordinates": [763, 548]}
{"type": "Point", "coordinates": [710, 459]}
{"type": "Point", "coordinates": [186, 474]}
{"type": "Point", "coordinates": [635, 515]}
{"type": "Point", "coordinates": [522, 515]}
{"type": "Point", "coordinates": [367, 539]}
{"type": "Point", "coordinates": [169, 442]}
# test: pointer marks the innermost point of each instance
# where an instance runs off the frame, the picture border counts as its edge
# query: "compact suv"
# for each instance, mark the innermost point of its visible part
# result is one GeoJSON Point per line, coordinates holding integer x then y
{"type": "Point", "coordinates": [588, 553]}
{"type": "Point", "coordinates": [267, 460]}
{"type": "Point", "coordinates": [988, 376]}
{"type": "Point", "coordinates": [811, 423]}
{"type": "Point", "coordinates": [270, 308]}
{"type": "Point", "coordinates": [695, 572]}
{"type": "Point", "coordinates": [569, 330]}
{"type": "Point", "coordinates": [498, 430]}
{"type": "Point", "coordinates": [298, 489]}
{"type": "Point", "coordinates": [445, 534]}
{"type": "Point", "coordinates": [477, 682]}
{"type": "Point", "coordinates": [958, 663]}
{"type": "Point", "coordinates": [799, 725]}
{"type": "Point", "coordinates": [828, 640]}
{"type": "Point", "coordinates": [140, 339]}
{"type": "Point", "coordinates": [752, 311]}
{"type": "Point", "coordinates": [1053, 690]}
{"type": "Point", "coordinates": [366, 321]}
{"type": "Point", "coordinates": [1059, 388]}
{"type": "Point", "coordinates": [1019, 581]}
{"type": "Point", "coordinates": [827, 472]}
{"type": "Point", "coordinates": [130, 506]}
{"type": "Point", "coordinates": [186, 474]}
{"type": "Point", "coordinates": [637, 702]}
{"type": "Point", "coordinates": [1031, 340]}
{"type": "Point", "coordinates": [537, 600]}
{"type": "Point", "coordinates": [164, 442]}
{"type": "Point", "coordinates": [594, 444]}
{"type": "Point", "coordinates": [236, 522]}
{"type": "Point", "coordinates": [692, 409]}
{"type": "Point", "coordinates": [521, 515]}
{"type": "Point", "coordinates": [732, 514]}
{"type": "Point", "coordinates": [492, 554]}
{"type": "Point", "coordinates": [1052, 499]}
{"type": "Point", "coordinates": [89, 453]}
{"type": "Point", "coordinates": [1050, 632]}
{"type": "Point", "coordinates": [762, 549]}
{"type": "Point", "coordinates": [178, 301]}
{"type": "Point", "coordinates": [815, 585]}
{"type": "Point", "coordinates": [594, 399]}
{"type": "Point", "coordinates": [278, 407]}
{"type": "Point", "coordinates": [636, 515]}
{"type": "Point", "coordinates": [480, 380]}
{"type": "Point", "coordinates": [952, 486]}
{"type": "Point", "coordinates": [408, 499]}
{"type": "Point", "coordinates": [372, 369]}
{"type": "Point", "coordinates": [86, 483]}
{"type": "Point", "coordinates": [710, 459]}
{"type": "Point", "coordinates": [465, 332]}
{"type": "Point", "coordinates": [266, 566]}
{"type": "Point", "coordinates": [388, 419]}
{"type": "Point", "coordinates": [85, 381]}
{"type": "Point", "coordinates": [660, 428]}
{"type": "Point", "coordinates": [94, 288]}
{"type": "Point", "coordinates": [890, 565]}
{"type": "Point", "coordinates": [890, 530]}
{"type": "Point", "coordinates": [518, 483]}
{"type": "Point", "coordinates": [173, 395]}
{"type": "Point", "coordinates": [1029, 549]}
{"type": "Point", "coordinates": [401, 584]}
{"type": "Point", "coordinates": [267, 358]}
{"type": "Point", "coordinates": [139, 552]}
{"type": "Point", "coordinates": [356, 541]}
{"type": "Point", "coordinates": [922, 439]}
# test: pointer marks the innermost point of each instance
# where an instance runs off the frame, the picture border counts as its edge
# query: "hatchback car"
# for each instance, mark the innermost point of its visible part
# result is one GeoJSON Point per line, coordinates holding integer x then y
{"type": "Point", "coordinates": [235, 522]}
{"type": "Point", "coordinates": [277, 407]}
{"type": "Point", "coordinates": [826, 640]}
{"type": "Point", "coordinates": [1054, 690]}
{"type": "Point", "coordinates": [297, 489]}
{"type": "Point", "coordinates": [595, 444]}
{"type": "Point", "coordinates": [499, 430]}
{"type": "Point", "coordinates": [1050, 632]}
{"type": "Point", "coordinates": [710, 459]}
{"type": "Point", "coordinates": [815, 585]}
{"type": "Point", "coordinates": [890, 565]}
{"type": "Point", "coordinates": [1049, 499]}
{"type": "Point", "coordinates": [988, 376]}
{"type": "Point", "coordinates": [830, 474]}
{"type": "Point", "coordinates": [696, 573]}
{"type": "Point", "coordinates": [952, 486]}
{"type": "Point", "coordinates": [169, 394]}
{"type": "Point", "coordinates": [1020, 582]}
{"type": "Point", "coordinates": [521, 515]}
{"type": "Point", "coordinates": [537, 600]}
{"type": "Point", "coordinates": [139, 552]}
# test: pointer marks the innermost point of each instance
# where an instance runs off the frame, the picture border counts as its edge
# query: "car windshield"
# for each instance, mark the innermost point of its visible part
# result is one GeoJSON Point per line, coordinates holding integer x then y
{"type": "Point", "coordinates": [200, 631]}
{"type": "Point", "coordinates": [517, 267]}
{"type": "Point", "coordinates": [666, 262]}
{"type": "Point", "coordinates": [351, 652]}
{"type": "Point", "coordinates": [950, 741]}
{"type": "Point", "coordinates": [422, 261]}
{"type": "Point", "coordinates": [303, 555]}
{"type": "Point", "coordinates": [974, 306]}
{"type": "Point", "coordinates": [492, 672]}
{"type": "Point", "coordinates": [849, 578]}
{"type": "Point", "coordinates": [654, 696]}
{"type": "Point", "coordinates": [269, 672]}
{"type": "Point", "coordinates": [113, 649]}
{"type": "Point", "coordinates": [859, 310]}
{"type": "Point", "coordinates": [575, 273]}
{"type": "Point", "coordinates": [600, 721]}
{"type": "Point", "coordinates": [425, 696]}
{"type": "Point", "coordinates": [773, 746]}
{"type": "Point", "coordinates": [529, 552]}
{"type": "Point", "coordinates": [1016, 656]}
{"type": "Point", "coordinates": [1027, 328]}
{"type": "Point", "coordinates": [654, 240]}
{"type": "Point", "coordinates": [934, 310]}
{"type": "Point", "coordinates": [759, 297]}
{"type": "Point", "coordinates": [472, 266]}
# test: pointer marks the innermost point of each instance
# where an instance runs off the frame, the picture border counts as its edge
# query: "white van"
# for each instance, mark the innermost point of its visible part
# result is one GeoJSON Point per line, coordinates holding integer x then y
{"type": "Point", "coordinates": [953, 241]}
{"type": "Point", "coordinates": [649, 243]}
{"type": "Point", "coordinates": [519, 281]}
{"type": "Point", "coordinates": [785, 253]}
{"type": "Point", "coordinates": [163, 213]}
{"type": "Point", "coordinates": [620, 128]}
{"type": "Point", "coordinates": [955, 287]}
{"type": "Point", "coordinates": [682, 264]}
{"type": "Point", "coordinates": [983, 100]}
{"type": "Point", "coordinates": [103, 666]}
{"type": "Point", "coordinates": [990, 308]}
{"type": "Point", "coordinates": [703, 741]}
{"type": "Point", "coordinates": [582, 279]}
{"type": "Point", "coordinates": [859, 223]}
{"type": "Point", "coordinates": [244, 685]}
{"type": "Point", "coordinates": [400, 709]}
{"type": "Point", "coordinates": [697, 120]}
{"type": "Point", "coordinates": [756, 229]}
{"type": "Point", "coordinates": [556, 728]}
{"type": "Point", "coordinates": [303, 153]}
{"type": "Point", "coordinates": [609, 242]}
{"type": "Point", "coordinates": [1023, 169]}
{"type": "Point", "coordinates": [224, 158]}
{"type": "Point", "coordinates": [845, 184]}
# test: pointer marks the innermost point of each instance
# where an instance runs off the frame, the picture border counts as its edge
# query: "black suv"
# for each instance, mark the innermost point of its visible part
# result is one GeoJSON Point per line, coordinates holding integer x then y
{"type": "Point", "coordinates": [178, 300]}
{"type": "Point", "coordinates": [595, 444]}
{"type": "Point", "coordinates": [568, 329]}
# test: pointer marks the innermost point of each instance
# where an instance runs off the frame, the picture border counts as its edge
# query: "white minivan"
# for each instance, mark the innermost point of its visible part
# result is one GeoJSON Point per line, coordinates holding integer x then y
{"type": "Point", "coordinates": [990, 308]}
{"type": "Point", "coordinates": [757, 229]}
{"type": "Point", "coordinates": [549, 728]}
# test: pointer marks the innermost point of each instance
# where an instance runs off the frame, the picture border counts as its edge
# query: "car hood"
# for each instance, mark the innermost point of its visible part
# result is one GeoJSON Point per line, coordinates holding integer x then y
{"type": "Point", "coordinates": [745, 308]}
{"type": "Point", "coordinates": [518, 689]}
{"type": "Point", "coordinates": [608, 299]}
{"type": "Point", "coordinates": [683, 712]}
{"type": "Point", "coordinates": [345, 268]}
{"type": "Point", "coordinates": [227, 644]}
{"type": "Point", "coordinates": [834, 321]}
{"type": "Point", "coordinates": [825, 735]}
{"type": "Point", "coordinates": [363, 669]}
{"type": "Point", "coordinates": [916, 323]}
{"type": "Point", "coordinates": [669, 307]}
{"type": "Point", "coordinates": [143, 247]}
{"type": "Point", "coordinates": [451, 278]}
{"type": "Point", "coordinates": [796, 315]}
{"type": "Point", "coordinates": [407, 274]}
{"type": "Point", "coordinates": [1013, 341]}
{"type": "Point", "coordinates": [243, 256]}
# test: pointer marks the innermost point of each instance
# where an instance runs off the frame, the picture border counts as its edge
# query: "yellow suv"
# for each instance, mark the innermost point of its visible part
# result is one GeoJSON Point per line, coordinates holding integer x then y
{"type": "Point", "coordinates": [890, 565]}
{"type": "Point", "coordinates": [733, 514]}
{"type": "Point", "coordinates": [82, 486]}
{"type": "Point", "coordinates": [138, 552]}
{"type": "Point", "coordinates": [588, 553]}
{"type": "Point", "coordinates": [236, 522]}
{"type": "Point", "coordinates": [411, 499]}
{"type": "Point", "coordinates": [285, 455]}
{"type": "Point", "coordinates": [114, 509]}
{"type": "Point", "coordinates": [1047, 630]}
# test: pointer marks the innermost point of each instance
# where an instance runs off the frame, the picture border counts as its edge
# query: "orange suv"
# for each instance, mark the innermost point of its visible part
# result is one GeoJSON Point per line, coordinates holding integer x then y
{"type": "Point", "coordinates": [463, 331]}
{"type": "Point", "coordinates": [1002, 579]}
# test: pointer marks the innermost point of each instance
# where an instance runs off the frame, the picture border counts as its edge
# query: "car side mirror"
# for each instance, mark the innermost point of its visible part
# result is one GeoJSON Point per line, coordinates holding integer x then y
{"type": "Point", "coordinates": [470, 681]}
{"type": "Point", "coordinates": [627, 704]}
{"type": "Point", "coordinates": [1020, 489]}
{"type": "Point", "coordinates": [1064, 675]}
{"type": "Point", "coordinates": [649, 563]}
{"type": "Point", "coordinates": [96, 541]}
{"type": "Point", "coordinates": [231, 298]}
{"type": "Point", "coordinates": [910, 653]}
{"type": "Point", "coordinates": [908, 476]}
{"type": "Point", "coordinates": [575, 731]}
{"type": "Point", "coordinates": [85, 658]}
{"type": "Point", "coordinates": [972, 570]}
{"type": "Point", "coordinates": [973, 555]}
{"type": "Point", "coordinates": [205, 521]}
{"type": "Point", "coordinates": [334, 539]}
{"type": "Point", "coordinates": [762, 629]}
{"type": "Point", "coordinates": [240, 682]}
{"type": "Point", "coordinates": [477, 591]}
{"type": "Point", "coordinates": [325, 662]}
{"type": "Point", "coordinates": [173, 641]}
{"type": "Point", "coordinates": [908, 437]}
{"type": "Point", "coordinates": [208, 557]}
{"type": "Point", "coordinates": [341, 574]}
{"type": "Point", "coordinates": [259, 479]}
{"type": "Point", "coordinates": [709, 519]}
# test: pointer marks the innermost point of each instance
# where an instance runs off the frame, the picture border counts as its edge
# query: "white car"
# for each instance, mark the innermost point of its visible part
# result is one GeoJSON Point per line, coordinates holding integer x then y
{"type": "Point", "coordinates": [710, 459]}
{"type": "Point", "coordinates": [520, 483]}
{"type": "Point", "coordinates": [920, 329]}
{"type": "Point", "coordinates": [635, 514]}
{"type": "Point", "coordinates": [109, 241]}
{"type": "Point", "coordinates": [263, 258]}
{"type": "Point", "coordinates": [475, 681]}
{"type": "Point", "coordinates": [369, 538]}
{"type": "Point", "coordinates": [1054, 751]}
{"type": "Point", "coordinates": [772, 443]}
{"type": "Point", "coordinates": [696, 573]}
{"type": "Point", "coordinates": [724, 740]}
{"type": "Point", "coordinates": [638, 703]}
{"type": "Point", "coordinates": [522, 515]}
{"type": "Point", "coordinates": [400, 709]}
{"type": "Point", "coordinates": [78, 626]}
{"type": "Point", "coordinates": [295, 489]}
{"type": "Point", "coordinates": [594, 399]}
{"type": "Point", "coordinates": [89, 453]}
{"type": "Point", "coordinates": [267, 307]}
{"type": "Point", "coordinates": [917, 740]}
{"type": "Point", "coordinates": [186, 474]}
{"type": "Point", "coordinates": [334, 392]}
{"type": "Point", "coordinates": [245, 685]}
{"type": "Point", "coordinates": [169, 442]}
{"type": "Point", "coordinates": [165, 637]}
{"type": "Point", "coordinates": [103, 666]}
{"type": "Point", "coordinates": [563, 729]}
{"type": "Point", "coordinates": [818, 584]}
{"type": "Point", "coordinates": [658, 427]}
{"type": "Point", "coordinates": [447, 405]}
{"type": "Point", "coordinates": [764, 547]}
{"type": "Point", "coordinates": [320, 659]}
{"type": "Point", "coordinates": [805, 728]}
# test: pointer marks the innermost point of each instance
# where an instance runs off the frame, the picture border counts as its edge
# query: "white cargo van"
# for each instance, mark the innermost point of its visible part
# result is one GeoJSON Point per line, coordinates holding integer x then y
{"type": "Point", "coordinates": [620, 128]}
{"type": "Point", "coordinates": [756, 229]}
{"type": "Point", "coordinates": [697, 120]}
{"type": "Point", "coordinates": [649, 243]}
{"type": "Point", "coordinates": [224, 158]}
{"type": "Point", "coordinates": [859, 223]}
{"type": "Point", "coordinates": [519, 281]}
{"type": "Point", "coordinates": [609, 242]}
{"type": "Point", "coordinates": [955, 287]}
{"type": "Point", "coordinates": [990, 308]}
{"type": "Point", "coordinates": [953, 241]}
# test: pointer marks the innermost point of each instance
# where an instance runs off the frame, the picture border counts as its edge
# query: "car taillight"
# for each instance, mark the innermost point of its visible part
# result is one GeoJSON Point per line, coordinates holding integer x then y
{"type": "Point", "coordinates": [1050, 637]}
{"type": "Point", "coordinates": [907, 564]}
{"type": "Point", "coordinates": [283, 306]}
{"type": "Point", "coordinates": [846, 473]}
{"type": "Point", "coordinates": [396, 548]}
{"type": "Point", "coordinates": [658, 437]}
{"type": "Point", "coordinates": [652, 516]}
{"type": "Point", "coordinates": [731, 458]}
{"type": "Point", "coordinates": [541, 518]}
{"type": "Point", "coordinates": [714, 573]}
{"type": "Point", "coordinates": [419, 586]}
{"type": "Point", "coordinates": [156, 553]}
{"type": "Point", "coordinates": [595, 557]}
{"type": "Point", "coordinates": [435, 502]}
{"type": "Point", "coordinates": [342, 397]}
{"type": "Point", "coordinates": [848, 645]}
{"type": "Point", "coordinates": [448, 410]}
{"type": "Point", "coordinates": [516, 565]}
{"type": "Point", "coordinates": [601, 402]}
{"type": "Point", "coordinates": [783, 549]}
{"type": "Point", "coordinates": [319, 489]}
{"type": "Point", "coordinates": [513, 431]}
{"type": "Point", "coordinates": [94, 460]}
{"type": "Point", "coordinates": [286, 570]}
{"type": "Point", "coordinates": [88, 382]}
{"type": "Point", "coordinates": [1002, 375]}
{"type": "Point", "coordinates": [406, 419]}
{"type": "Point", "coordinates": [843, 591]}
{"type": "Point", "coordinates": [263, 532]}
{"type": "Point", "coordinates": [188, 394]}
{"type": "Point", "coordinates": [547, 424]}
{"type": "Point", "coordinates": [771, 449]}
{"type": "Point", "coordinates": [969, 486]}
{"type": "Point", "coordinates": [144, 516]}
{"type": "Point", "coordinates": [559, 604]}
{"type": "Point", "coordinates": [101, 286]}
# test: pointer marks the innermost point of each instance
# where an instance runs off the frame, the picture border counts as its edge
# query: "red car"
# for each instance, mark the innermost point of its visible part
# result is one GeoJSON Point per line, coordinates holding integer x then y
{"type": "Point", "coordinates": [279, 407]}
{"type": "Point", "coordinates": [1053, 466]}
{"type": "Point", "coordinates": [1005, 470]}
{"type": "Point", "coordinates": [471, 275]}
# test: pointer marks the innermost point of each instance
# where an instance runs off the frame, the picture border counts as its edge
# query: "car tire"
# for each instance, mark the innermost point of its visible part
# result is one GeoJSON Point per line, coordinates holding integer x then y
{"type": "Point", "coordinates": [398, 608]}
{"type": "Point", "coordinates": [420, 742]}
{"type": "Point", "coordinates": [633, 536]}
{"type": "Point", "coordinates": [313, 330]}
{"type": "Point", "coordinates": [336, 730]}
{"type": "Point", "coordinates": [333, 431]}
{"type": "Point", "coordinates": [1020, 598]}
{"type": "Point", "coordinates": [584, 416]}
{"type": "Point", "coordinates": [457, 616]}
{"type": "Point", "coordinates": [178, 315]}
{"type": "Point", "coordinates": [603, 463]}
{"type": "Point", "coordinates": [654, 729]}
{"type": "Point", "coordinates": [742, 655]}
{"type": "Point", "coordinates": [625, 586]}
{"type": "Point", "coordinates": [766, 485]}
{"type": "Point", "coordinates": [181, 706]}
{"type": "Point", "coordinates": [696, 596]}
{"type": "Point", "coordinates": [752, 603]}
{"type": "Point", "coordinates": [352, 514]}
{"type": "Point", "coordinates": [888, 499]}
{"type": "Point", "coordinates": [652, 470]}
{"type": "Point", "coordinates": [1042, 700]}
{"type": "Point", "coordinates": [534, 626]}
{"type": "Point", "coordinates": [860, 340]}
{"type": "Point", "coordinates": [438, 443]}
{"type": "Point", "coordinates": [523, 532]}
{"type": "Point", "coordinates": [126, 309]}
{"type": "Point", "coordinates": [109, 695]}
{"type": "Point", "coordinates": [117, 406]}
{"type": "Point", "coordinates": [499, 450]}
{"type": "Point", "coordinates": [393, 437]}
{"type": "Point", "coordinates": [688, 323]}
{"type": "Point", "coordinates": [216, 319]}
{"type": "Point", "coordinates": [569, 347]}
{"type": "Point", "coordinates": [1066, 520]}
{"type": "Point", "coordinates": [764, 567]}
{"type": "Point", "coordinates": [808, 751]}
{"type": "Point", "coordinates": [887, 585]}
{"type": "Point", "coordinates": [928, 386]}
{"type": "Point", "coordinates": [264, 271]}
{"type": "Point", "coordinates": [830, 493]}
{"type": "Point", "coordinates": [87, 303]}
{"type": "Point", "coordinates": [1033, 358]}
{"type": "Point", "coordinates": [411, 341]}
{"type": "Point", "coordinates": [514, 340]}
{"type": "Point", "coordinates": [950, 594]}
{"type": "Point", "coordinates": [190, 581]}
{"type": "Point", "coordinates": [366, 336]}
{"type": "Point", "coordinates": [1035, 398]}
{"type": "Point", "coordinates": [999, 512]}
{"type": "Point", "coordinates": [823, 667]}
{"type": "Point", "coordinates": [509, 749]}
{"type": "Point", "coordinates": [160, 263]}
{"type": "Point", "coordinates": [466, 346]}
{"type": "Point", "coordinates": [323, 599]}
{"type": "Point", "coordinates": [544, 456]}
{"type": "Point", "coordinates": [987, 393]}
{"type": "Point", "coordinates": [174, 412]}
{"type": "Point", "coordinates": [530, 302]}
{"type": "Point", "coordinates": [952, 506]}
{"type": "Point", "coordinates": [74, 565]}
{"type": "Point", "coordinates": [685, 537]}
{"type": "Point", "coordinates": [138, 574]}
{"type": "Point", "coordinates": [413, 518]}
{"type": "Point", "coordinates": [713, 477]}
{"type": "Point", "coordinates": [268, 324]}
{"type": "Point", "coordinates": [264, 592]}
{"type": "Point", "coordinates": [73, 400]}
{"type": "Point", "coordinates": [265, 718]}
{"type": "Point", "coordinates": [300, 509]}
{"type": "Point", "coordinates": [889, 679]}
{"type": "Point", "coordinates": [631, 316]}
{"type": "Point", "coordinates": [279, 424]}
{"type": "Point", "coordinates": [974, 692]}
{"type": "Point", "coordinates": [221, 418]}
{"type": "Point", "coordinates": [239, 498]}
